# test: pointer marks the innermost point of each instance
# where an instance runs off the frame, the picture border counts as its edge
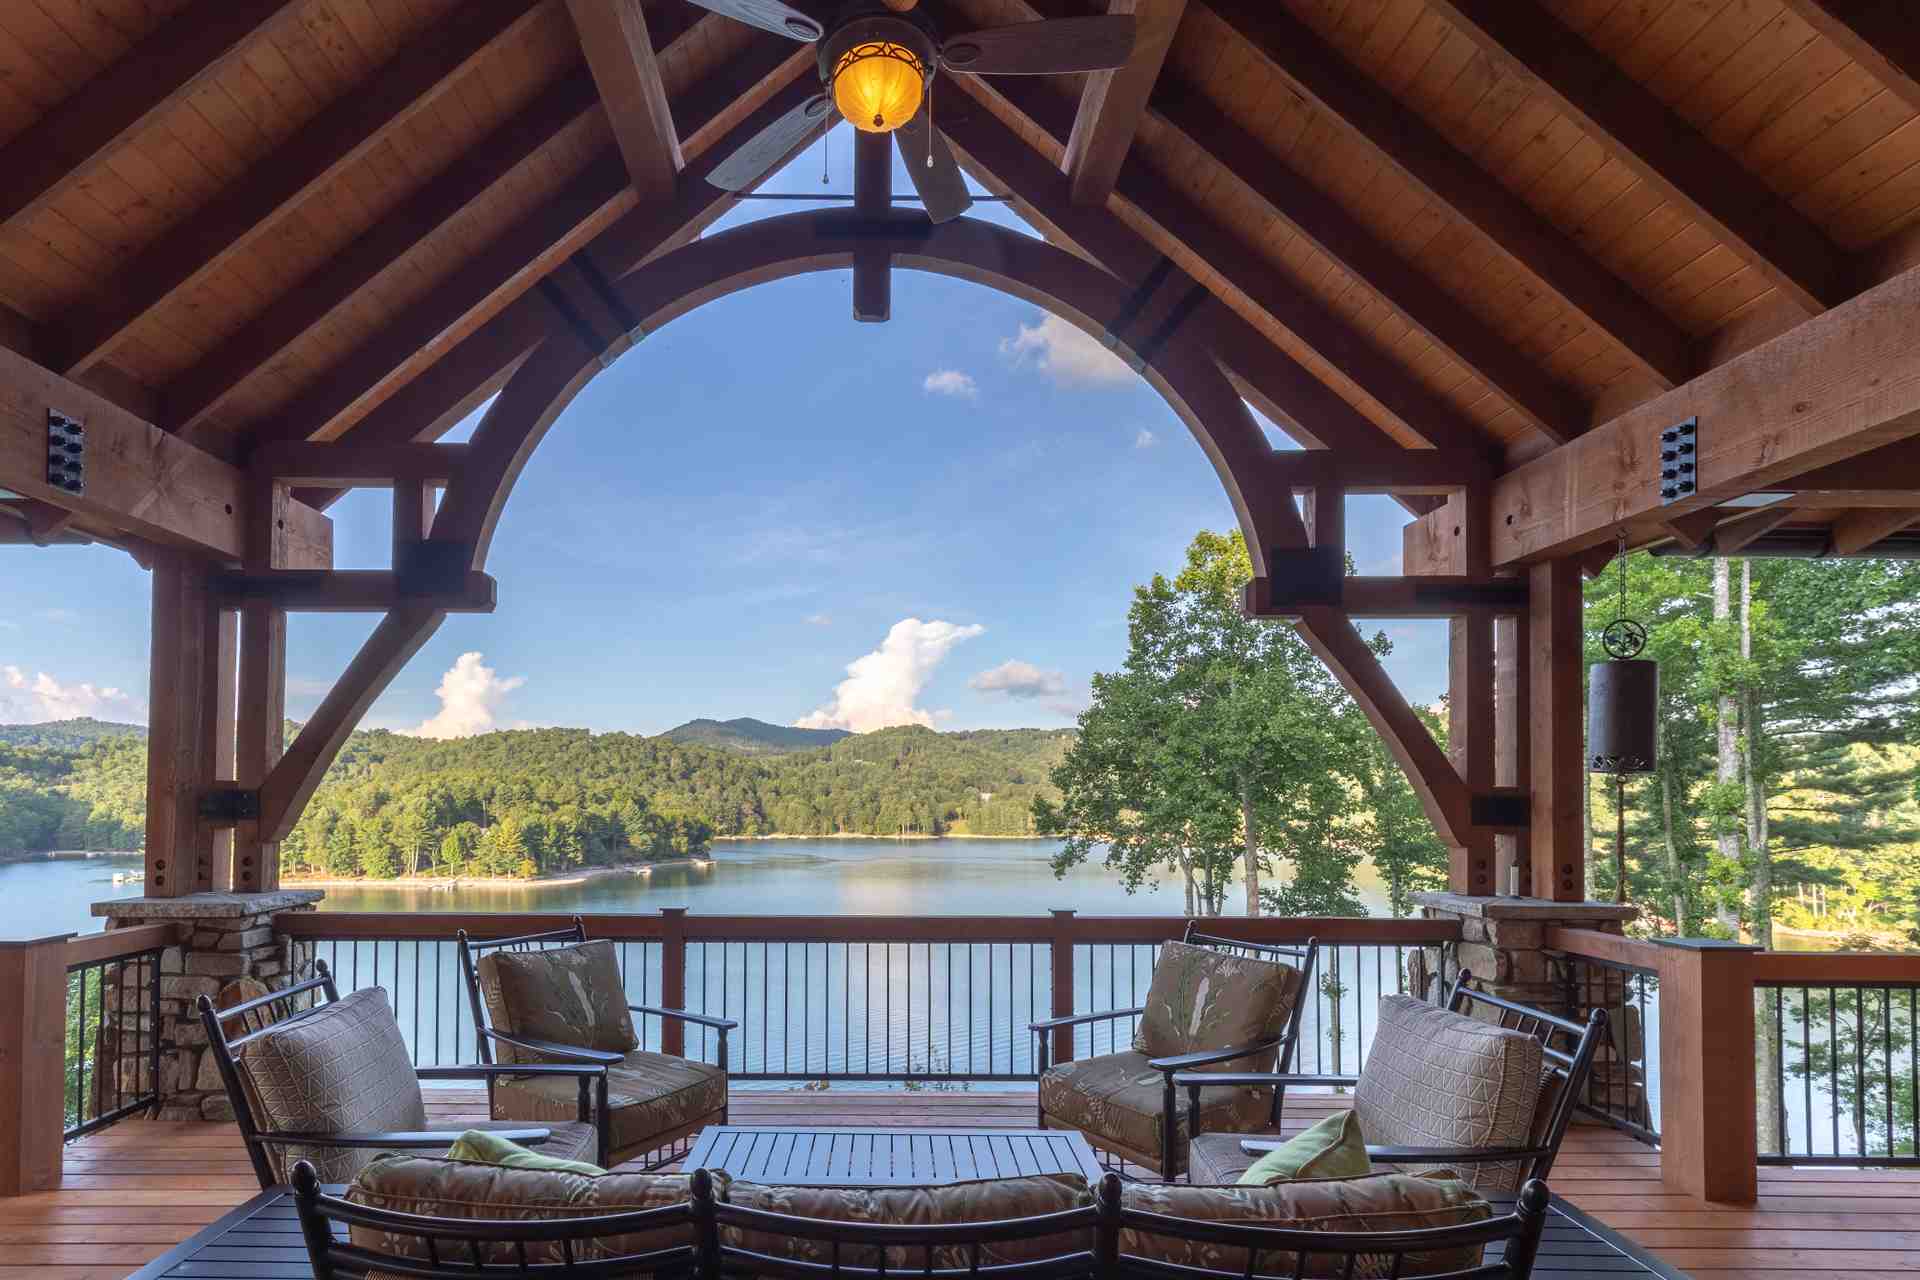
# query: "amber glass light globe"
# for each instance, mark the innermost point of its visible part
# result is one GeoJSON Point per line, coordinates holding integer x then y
{"type": "Point", "coordinates": [878, 86]}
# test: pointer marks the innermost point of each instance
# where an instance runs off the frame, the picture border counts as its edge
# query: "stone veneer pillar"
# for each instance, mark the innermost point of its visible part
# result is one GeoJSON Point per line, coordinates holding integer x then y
{"type": "Point", "coordinates": [226, 937]}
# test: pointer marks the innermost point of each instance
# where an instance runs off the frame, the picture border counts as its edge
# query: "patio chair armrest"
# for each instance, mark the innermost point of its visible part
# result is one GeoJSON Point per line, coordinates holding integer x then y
{"type": "Point", "coordinates": [682, 1015]}
{"type": "Point", "coordinates": [1075, 1019]}
{"type": "Point", "coordinates": [1201, 1079]}
{"type": "Point", "coordinates": [599, 1057]}
{"type": "Point", "coordinates": [399, 1140]}
{"type": "Point", "coordinates": [1206, 1057]}
{"type": "Point", "coordinates": [496, 1070]}
{"type": "Point", "coordinates": [1455, 1155]}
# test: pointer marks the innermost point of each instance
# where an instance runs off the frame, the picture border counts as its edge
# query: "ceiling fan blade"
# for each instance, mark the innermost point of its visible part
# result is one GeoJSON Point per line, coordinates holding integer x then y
{"type": "Point", "coordinates": [759, 156]}
{"type": "Point", "coordinates": [768, 15]}
{"type": "Point", "coordinates": [942, 188]}
{"type": "Point", "coordinates": [1043, 48]}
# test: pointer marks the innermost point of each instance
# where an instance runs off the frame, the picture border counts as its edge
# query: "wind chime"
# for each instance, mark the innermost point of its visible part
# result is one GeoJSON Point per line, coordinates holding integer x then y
{"type": "Point", "coordinates": [1623, 702]}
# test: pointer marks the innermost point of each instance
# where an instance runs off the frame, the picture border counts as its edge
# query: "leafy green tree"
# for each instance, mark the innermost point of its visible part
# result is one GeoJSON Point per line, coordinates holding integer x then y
{"type": "Point", "coordinates": [1393, 828]}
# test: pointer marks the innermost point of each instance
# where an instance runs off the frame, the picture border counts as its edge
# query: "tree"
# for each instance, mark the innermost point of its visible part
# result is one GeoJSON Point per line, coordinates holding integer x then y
{"type": "Point", "coordinates": [1394, 829]}
{"type": "Point", "coordinates": [1221, 743]}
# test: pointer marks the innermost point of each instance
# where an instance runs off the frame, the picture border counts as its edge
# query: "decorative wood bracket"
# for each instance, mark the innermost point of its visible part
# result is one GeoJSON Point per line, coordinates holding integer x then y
{"type": "Point", "coordinates": [1423, 597]}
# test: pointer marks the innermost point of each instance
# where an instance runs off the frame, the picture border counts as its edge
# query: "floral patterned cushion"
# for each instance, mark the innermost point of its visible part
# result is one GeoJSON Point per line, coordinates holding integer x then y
{"type": "Point", "coordinates": [1435, 1078]}
{"type": "Point", "coordinates": [987, 1200]}
{"type": "Point", "coordinates": [1201, 998]}
{"type": "Point", "coordinates": [439, 1188]}
{"type": "Point", "coordinates": [1377, 1202]}
{"type": "Point", "coordinates": [569, 995]}
{"type": "Point", "coordinates": [341, 1068]}
{"type": "Point", "coordinates": [648, 1095]}
{"type": "Point", "coordinates": [1117, 1100]}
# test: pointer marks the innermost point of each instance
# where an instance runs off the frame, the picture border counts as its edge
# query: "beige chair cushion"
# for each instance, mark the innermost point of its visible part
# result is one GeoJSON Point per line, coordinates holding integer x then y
{"type": "Point", "coordinates": [1377, 1202]}
{"type": "Point", "coordinates": [1118, 1097]}
{"type": "Point", "coordinates": [648, 1095]}
{"type": "Point", "coordinates": [1201, 998]}
{"type": "Point", "coordinates": [569, 995]}
{"type": "Point", "coordinates": [987, 1200]}
{"type": "Point", "coordinates": [1436, 1078]}
{"type": "Point", "coordinates": [342, 1068]}
{"type": "Point", "coordinates": [440, 1188]}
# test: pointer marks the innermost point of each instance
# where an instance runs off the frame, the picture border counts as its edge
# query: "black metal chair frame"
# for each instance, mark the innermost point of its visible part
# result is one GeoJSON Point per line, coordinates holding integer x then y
{"type": "Point", "coordinates": [593, 1080]}
{"type": "Point", "coordinates": [1303, 958]}
{"type": "Point", "coordinates": [486, 1253]}
{"type": "Point", "coordinates": [486, 1036]}
{"type": "Point", "coordinates": [1571, 1068]}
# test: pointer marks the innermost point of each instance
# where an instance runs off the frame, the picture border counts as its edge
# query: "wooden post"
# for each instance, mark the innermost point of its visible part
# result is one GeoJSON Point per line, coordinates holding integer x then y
{"type": "Point", "coordinates": [673, 977]}
{"type": "Point", "coordinates": [1708, 1125]}
{"type": "Point", "coordinates": [1557, 734]}
{"type": "Point", "coordinates": [223, 678]}
{"type": "Point", "coordinates": [33, 1046]}
{"type": "Point", "coordinates": [1470, 741]}
{"type": "Point", "coordinates": [1062, 959]}
{"type": "Point", "coordinates": [182, 730]}
{"type": "Point", "coordinates": [1512, 751]}
{"type": "Point", "coordinates": [261, 735]}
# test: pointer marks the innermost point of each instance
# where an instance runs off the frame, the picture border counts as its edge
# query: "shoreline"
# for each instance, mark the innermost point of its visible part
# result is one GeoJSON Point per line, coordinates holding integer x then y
{"type": "Point", "coordinates": [436, 883]}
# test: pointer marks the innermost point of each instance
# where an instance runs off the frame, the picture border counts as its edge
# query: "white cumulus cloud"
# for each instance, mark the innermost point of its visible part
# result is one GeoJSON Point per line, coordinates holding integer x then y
{"type": "Point", "coordinates": [881, 686]}
{"type": "Point", "coordinates": [1145, 440]}
{"type": "Point", "coordinates": [1019, 679]}
{"type": "Point", "coordinates": [1066, 354]}
{"type": "Point", "coordinates": [470, 695]}
{"type": "Point", "coordinates": [951, 382]}
{"type": "Point", "coordinates": [39, 696]}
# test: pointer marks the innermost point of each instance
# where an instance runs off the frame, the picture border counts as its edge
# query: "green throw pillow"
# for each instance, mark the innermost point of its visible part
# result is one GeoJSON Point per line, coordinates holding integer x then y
{"type": "Point", "coordinates": [1331, 1149]}
{"type": "Point", "coordinates": [477, 1146]}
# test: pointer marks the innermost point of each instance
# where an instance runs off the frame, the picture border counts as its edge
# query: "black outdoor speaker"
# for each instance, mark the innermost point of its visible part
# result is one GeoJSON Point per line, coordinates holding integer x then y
{"type": "Point", "coordinates": [1623, 699]}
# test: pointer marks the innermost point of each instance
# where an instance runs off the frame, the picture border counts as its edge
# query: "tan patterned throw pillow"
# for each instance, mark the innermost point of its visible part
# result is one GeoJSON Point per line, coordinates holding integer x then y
{"type": "Point", "coordinates": [1206, 999]}
{"type": "Point", "coordinates": [569, 995]}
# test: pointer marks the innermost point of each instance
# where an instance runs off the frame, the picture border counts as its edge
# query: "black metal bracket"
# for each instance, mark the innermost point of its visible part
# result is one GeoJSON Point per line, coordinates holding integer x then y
{"type": "Point", "coordinates": [230, 804]}
{"type": "Point", "coordinates": [1679, 461]}
{"type": "Point", "coordinates": [1301, 576]}
{"type": "Point", "coordinates": [433, 567]}
{"type": "Point", "coordinates": [66, 452]}
{"type": "Point", "coordinates": [1500, 809]}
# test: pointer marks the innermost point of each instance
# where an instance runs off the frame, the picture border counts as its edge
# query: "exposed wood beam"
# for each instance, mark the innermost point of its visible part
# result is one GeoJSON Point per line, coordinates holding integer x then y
{"type": "Point", "coordinates": [98, 116]}
{"type": "Point", "coordinates": [1840, 384]}
{"type": "Point", "coordinates": [521, 255]}
{"type": "Point", "coordinates": [369, 466]}
{"type": "Point", "coordinates": [1857, 531]}
{"type": "Point", "coordinates": [1424, 596]}
{"type": "Point", "coordinates": [1732, 539]}
{"type": "Point", "coordinates": [350, 591]}
{"type": "Point", "coordinates": [1657, 144]}
{"type": "Point", "coordinates": [138, 478]}
{"type": "Point", "coordinates": [1694, 530]}
{"type": "Point", "coordinates": [326, 145]}
{"type": "Point", "coordinates": [1184, 224]}
{"type": "Point", "coordinates": [1398, 471]}
{"type": "Point", "coordinates": [1880, 35]}
{"type": "Point", "coordinates": [1891, 467]}
{"type": "Point", "coordinates": [1299, 205]}
{"type": "Point", "coordinates": [1421, 155]}
{"type": "Point", "coordinates": [1112, 103]}
{"type": "Point", "coordinates": [613, 35]}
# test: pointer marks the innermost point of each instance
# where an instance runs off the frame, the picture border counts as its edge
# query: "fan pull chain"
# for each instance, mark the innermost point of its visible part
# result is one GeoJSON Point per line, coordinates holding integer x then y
{"type": "Point", "coordinates": [826, 131]}
{"type": "Point", "coordinates": [929, 122]}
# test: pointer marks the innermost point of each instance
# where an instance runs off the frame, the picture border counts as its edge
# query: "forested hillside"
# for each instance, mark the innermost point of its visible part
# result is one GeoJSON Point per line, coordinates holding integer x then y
{"type": "Point", "coordinates": [752, 737]}
{"type": "Point", "coordinates": [540, 801]}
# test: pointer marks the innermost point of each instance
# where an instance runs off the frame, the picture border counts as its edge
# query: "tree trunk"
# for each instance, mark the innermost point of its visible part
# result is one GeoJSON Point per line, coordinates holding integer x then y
{"type": "Point", "coordinates": [1674, 871]}
{"type": "Point", "coordinates": [1186, 873]}
{"type": "Point", "coordinates": [1756, 782]}
{"type": "Point", "coordinates": [1252, 832]}
{"type": "Point", "coordinates": [1620, 838]}
{"type": "Point", "coordinates": [1728, 711]}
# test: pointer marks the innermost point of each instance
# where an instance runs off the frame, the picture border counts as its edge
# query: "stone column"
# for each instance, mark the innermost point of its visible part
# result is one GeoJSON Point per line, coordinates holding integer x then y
{"type": "Point", "coordinates": [225, 939]}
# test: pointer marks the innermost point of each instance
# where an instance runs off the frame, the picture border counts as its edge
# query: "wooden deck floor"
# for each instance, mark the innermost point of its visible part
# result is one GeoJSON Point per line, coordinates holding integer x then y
{"type": "Point", "coordinates": [140, 1187]}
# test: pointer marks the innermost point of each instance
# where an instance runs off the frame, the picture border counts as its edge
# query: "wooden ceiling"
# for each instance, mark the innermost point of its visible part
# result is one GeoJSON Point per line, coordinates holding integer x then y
{"type": "Point", "coordinates": [1481, 223]}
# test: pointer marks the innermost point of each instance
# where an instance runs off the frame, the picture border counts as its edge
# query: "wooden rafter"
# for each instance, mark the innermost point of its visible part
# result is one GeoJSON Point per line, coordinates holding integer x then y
{"type": "Point", "coordinates": [1112, 103]}
{"type": "Point", "coordinates": [324, 147]}
{"type": "Point", "coordinates": [1858, 531]}
{"type": "Point", "coordinates": [1731, 539]}
{"type": "Point", "coordinates": [100, 115]}
{"type": "Point", "coordinates": [1185, 224]}
{"type": "Point", "coordinates": [613, 35]}
{"type": "Point", "coordinates": [1658, 145]}
{"type": "Point", "coordinates": [520, 256]}
{"type": "Point", "coordinates": [1300, 206]}
{"type": "Point", "coordinates": [1421, 155]}
{"type": "Point", "coordinates": [1880, 35]}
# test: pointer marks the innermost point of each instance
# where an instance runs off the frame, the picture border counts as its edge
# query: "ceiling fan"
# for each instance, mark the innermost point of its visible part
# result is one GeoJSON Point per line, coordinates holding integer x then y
{"type": "Point", "coordinates": [878, 59]}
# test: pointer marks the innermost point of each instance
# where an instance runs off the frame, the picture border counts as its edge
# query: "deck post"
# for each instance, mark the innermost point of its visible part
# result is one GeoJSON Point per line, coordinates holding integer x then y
{"type": "Point", "coordinates": [1061, 944]}
{"type": "Point", "coordinates": [1557, 738]}
{"type": "Point", "coordinates": [33, 1048]}
{"type": "Point", "coordinates": [673, 978]}
{"type": "Point", "coordinates": [1708, 1126]}
{"type": "Point", "coordinates": [187, 658]}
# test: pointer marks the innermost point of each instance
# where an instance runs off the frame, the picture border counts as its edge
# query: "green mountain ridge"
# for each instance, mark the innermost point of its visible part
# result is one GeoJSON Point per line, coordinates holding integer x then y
{"type": "Point", "coordinates": [68, 735]}
{"type": "Point", "coordinates": [748, 736]}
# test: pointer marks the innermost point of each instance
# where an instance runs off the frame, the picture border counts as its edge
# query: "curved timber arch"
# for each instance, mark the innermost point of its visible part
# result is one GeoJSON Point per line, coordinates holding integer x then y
{"type": "Point", "coordinates": [593, 321]}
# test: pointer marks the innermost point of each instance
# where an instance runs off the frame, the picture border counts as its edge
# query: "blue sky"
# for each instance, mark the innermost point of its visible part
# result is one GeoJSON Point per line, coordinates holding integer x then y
{"type": "Point", "coordinates": [756, 498]}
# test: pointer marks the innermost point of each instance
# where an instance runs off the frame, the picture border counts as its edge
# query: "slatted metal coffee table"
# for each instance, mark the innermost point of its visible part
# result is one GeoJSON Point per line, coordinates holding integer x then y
{"type": "Point", "coordinates": [888, 1157]}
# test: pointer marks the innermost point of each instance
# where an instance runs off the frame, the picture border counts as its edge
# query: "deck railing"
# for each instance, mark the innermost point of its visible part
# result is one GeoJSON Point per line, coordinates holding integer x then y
{"type": "Point", "coordinates": [939, 1001]}
{"type": "Point", "coordinates": [113, 986]}
{"type": "Point", "coordinates": [1621, 976]}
